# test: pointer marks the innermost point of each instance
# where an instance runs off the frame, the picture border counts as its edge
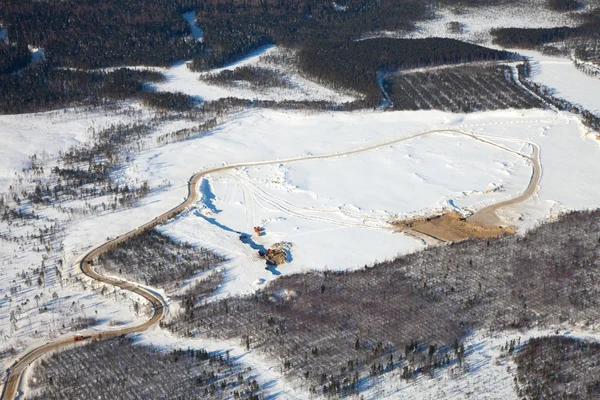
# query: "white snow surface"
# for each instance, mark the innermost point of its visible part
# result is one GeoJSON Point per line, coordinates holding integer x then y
{"type": "Point", "coordinates": [568, 82]}
{"type": "Point", "coordinates": [335, 211]}
{"type": "Point", "coordinates": [477, 21]}
{"type": "Point", "coordinates": [47, 133]}
{"type": "Point", "coordinates": [181, 79]}
{"type": "Point", "coordinates": [197, 32]}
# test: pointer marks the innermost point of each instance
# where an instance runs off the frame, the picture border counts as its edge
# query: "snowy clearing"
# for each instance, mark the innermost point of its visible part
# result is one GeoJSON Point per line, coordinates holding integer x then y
{"type": "Point", "coordinates": [181, 79]}
{"type": "Point", "coordinates": [476, 22]}
{"type": "Point", "coordinates": [568, 81]}
{"type": "Point", "coordinates": [345, 203]}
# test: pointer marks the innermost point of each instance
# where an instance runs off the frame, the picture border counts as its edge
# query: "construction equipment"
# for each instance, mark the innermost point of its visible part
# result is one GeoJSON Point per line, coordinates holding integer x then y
{"type": "Point", "coordinates": [258, 230]}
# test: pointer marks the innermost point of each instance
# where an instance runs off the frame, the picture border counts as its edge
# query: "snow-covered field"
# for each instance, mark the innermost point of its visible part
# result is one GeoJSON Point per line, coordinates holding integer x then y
{"type": "Point", "coordinates": [335, 211]}
{"type": "Point", "coordinates": [476, 22]}
{"type": "Point", "coordinates": [181, 79]}
{"type": "Point", "coordinates": [568, 82]}
{"type": "Point", "coordinates": [45, 134]}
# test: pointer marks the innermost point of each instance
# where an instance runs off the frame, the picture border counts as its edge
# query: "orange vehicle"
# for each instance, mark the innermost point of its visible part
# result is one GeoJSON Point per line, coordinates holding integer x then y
{"type": "Point", "coordinates": [258, 230]}
{"type": "Point", "coordinates": [80, 337]}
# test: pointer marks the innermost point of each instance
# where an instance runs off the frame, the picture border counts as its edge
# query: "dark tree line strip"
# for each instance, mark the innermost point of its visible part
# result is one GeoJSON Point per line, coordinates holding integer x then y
{"type": "Point", "coordinates": [41, 87]}
{"type": "Point", "coordinates": [155, 259]}
{"type": "Point", "coordinates": [459, 89]}
{"type": "Point", "coordinates": [355, 65]}
{"type": "Point", "coordinates": [339, 326]}
{"type": "Point", "coordinates": [528, 38]}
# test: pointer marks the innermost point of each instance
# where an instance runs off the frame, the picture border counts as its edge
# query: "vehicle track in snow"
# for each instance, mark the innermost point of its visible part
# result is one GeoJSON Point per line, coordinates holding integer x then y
{"type": "Point", "coordinates": [15, 372]}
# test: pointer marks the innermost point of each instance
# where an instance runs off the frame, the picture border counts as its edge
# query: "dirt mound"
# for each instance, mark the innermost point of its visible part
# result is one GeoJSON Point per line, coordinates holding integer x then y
{"type": "Point", "coordinates": [452, 226]}
{"type": "Point", "coordinates": [278, 254]}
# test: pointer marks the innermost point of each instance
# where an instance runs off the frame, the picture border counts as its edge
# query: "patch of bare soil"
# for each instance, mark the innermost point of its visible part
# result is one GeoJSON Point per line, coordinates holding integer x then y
{"type": "Point", "coordinates": [452, 227]}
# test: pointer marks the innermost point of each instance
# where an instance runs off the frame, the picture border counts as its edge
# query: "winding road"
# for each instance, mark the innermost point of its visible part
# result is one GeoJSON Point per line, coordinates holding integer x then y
{"type": "Point", "coordinates": [485, 215]}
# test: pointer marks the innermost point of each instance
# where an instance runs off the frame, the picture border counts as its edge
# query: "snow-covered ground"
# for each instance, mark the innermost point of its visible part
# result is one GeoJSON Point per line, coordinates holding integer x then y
{"type": "Point", "coordinates": [335, 211]}
{"type": "Point", "coordinates": [476, 22]}
{"type": "Point", "coordinates": [197, 33]}
{"type": "Point", "coordinates": [568, 81]}
{"type": "Point", "coordinates": [45, 134]}
{"type": "Point", "coordinates": [181, 79]}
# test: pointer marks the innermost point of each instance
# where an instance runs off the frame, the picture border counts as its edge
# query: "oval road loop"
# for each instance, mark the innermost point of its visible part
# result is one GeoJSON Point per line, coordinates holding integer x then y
{"type": "Point", "coordinates": [15, 373]}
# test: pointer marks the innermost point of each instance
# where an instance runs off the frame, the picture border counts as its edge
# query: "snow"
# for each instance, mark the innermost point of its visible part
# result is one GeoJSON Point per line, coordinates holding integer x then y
{"type": "Point", "coordinates": [477, 21]}
{"type": "Point", "coordinates": [335, 211]}
{"type": "Point", "coordinates": [568, 82]}
{"type": "Point", "coordinates": [179, 78]}
{"type": "Point", "coordinates": [489, 371]}
{"type": "Point", "coordinates": [37, 55]}
{"type": "Point", "coordinates": [197, 32]}
{"type": "Point", "coordinates": [47, 133]}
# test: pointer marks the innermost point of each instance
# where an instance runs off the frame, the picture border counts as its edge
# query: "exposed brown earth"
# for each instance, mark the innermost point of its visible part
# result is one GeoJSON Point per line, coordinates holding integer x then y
{"type": "Point", "coordinates": [451, 226]}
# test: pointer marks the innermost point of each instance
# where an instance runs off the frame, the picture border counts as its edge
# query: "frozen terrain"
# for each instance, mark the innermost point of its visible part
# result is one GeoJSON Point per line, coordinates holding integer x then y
{"type": "Point", "coordinates": [335, 211]}
{"type": "Point", "coordinates": [567, 81]}
{"type": "Point", "coordinates": [181, 79]}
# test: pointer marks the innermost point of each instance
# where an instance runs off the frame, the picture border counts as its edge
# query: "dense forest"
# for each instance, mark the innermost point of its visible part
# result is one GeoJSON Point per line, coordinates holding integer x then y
{"type": "Point", "coordinates": [157, 260]}
{"type": "Point", "coordinates": [13, 57]}
{"type": "Point", "coordinates": [120, 369]}
{"type": "Point", "coordinates": [40, 87]}
{"type": "Point", "coordinates": [535, 37]}
{"type": "Point", "coordinates": [558, 367]}
{"type": "Point", "coordinates": [355, 65]}
{"type": "Point", "coordinates": [413, 312]}
{"type": "Point", "coordinates": [458, 89]}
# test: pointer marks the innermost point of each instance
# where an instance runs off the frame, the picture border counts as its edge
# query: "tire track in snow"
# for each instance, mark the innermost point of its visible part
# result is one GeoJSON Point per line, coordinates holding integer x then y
{"type": "Point", "coordinates": [15, 372]}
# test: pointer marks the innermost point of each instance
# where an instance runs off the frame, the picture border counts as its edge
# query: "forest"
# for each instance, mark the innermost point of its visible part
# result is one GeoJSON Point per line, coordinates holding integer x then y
{"type": "Point", "coordinates": [528, 38]}
{"type": "Point", "coordinates": [13, 57]}
{"type": "Point", "coordinates": [42, 87]}
{"type": "Point", "coordinates": [558, 367]}
{"type": "Point", "coordinates": [121, 369]}
{"type": "Point", "coordinates": [337, 327]}
{"type": "Point", "coordinates": [458, 89]}
{"type": "Point", "coordinates": [156, 260]}
{"type": "Point", "coordinates": [356, 65]}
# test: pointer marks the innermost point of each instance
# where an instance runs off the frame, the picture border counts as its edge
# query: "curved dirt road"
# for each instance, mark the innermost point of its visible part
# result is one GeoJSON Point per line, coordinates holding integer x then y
{"type": "Point", "coordinates": [12, 383]}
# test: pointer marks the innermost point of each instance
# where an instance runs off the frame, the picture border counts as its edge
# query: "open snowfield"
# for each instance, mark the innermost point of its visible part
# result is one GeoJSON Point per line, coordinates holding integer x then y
{"type": "Point", "coordinates": [45, 134]}
{"type": "Point", "coordinates": [181, 79]}
{"type": "Point", "coordinates": [476, 22]}
{"type": "Point", "coordinates": [568, 82]}
{"type": "Point", "coordinates": [335, 211]}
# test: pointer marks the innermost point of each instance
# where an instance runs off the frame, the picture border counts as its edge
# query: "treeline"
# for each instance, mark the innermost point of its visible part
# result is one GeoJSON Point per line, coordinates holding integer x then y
{"type": "Point", "coordinates": [84, 34]}
{"type": "Point", "coordinates": [41, 87]}
{"type": "Point", "coordinates": [355, 65]}
{"type": "Point", "coordinates": [13, 57]}
{"type": "Point", "coordinates": [256, 77]}
{"type": "Point", "coordinates": [564, 5]}
{"type": "Point", "coordinates": [413, 311]}
{"type": "Point", "coordinates": [528, 38]}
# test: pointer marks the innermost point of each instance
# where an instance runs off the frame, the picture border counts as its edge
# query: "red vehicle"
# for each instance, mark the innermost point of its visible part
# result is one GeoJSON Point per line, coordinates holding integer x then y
{"type": "Point", "coordinates": [80, 337]}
